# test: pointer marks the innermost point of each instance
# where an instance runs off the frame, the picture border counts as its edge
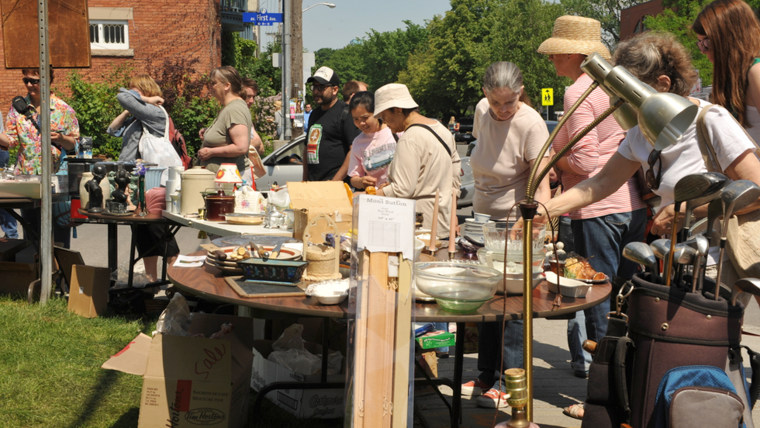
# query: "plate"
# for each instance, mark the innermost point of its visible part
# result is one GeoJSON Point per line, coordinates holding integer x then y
{"type": "Point", "coordinates": [240, 240]}
{"type": "Point", "coordinates": [552, 278]}
{"type": "Point", "coordinates": [285, 254]}
{"type": "Point", "coordinates": [226, 270]}
{"type": "Point", "coordinates": [596, 281]}
{"type": "Point", "coordinates": [244, 218]}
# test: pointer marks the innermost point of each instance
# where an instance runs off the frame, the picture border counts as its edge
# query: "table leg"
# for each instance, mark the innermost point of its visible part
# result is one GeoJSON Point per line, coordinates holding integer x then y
{"type": "Point", "coordinates": [456, 399]}
{"type": "Point", "coordinates": [113, 255]}
{"type": "Point", "coordinates": [132, 261]}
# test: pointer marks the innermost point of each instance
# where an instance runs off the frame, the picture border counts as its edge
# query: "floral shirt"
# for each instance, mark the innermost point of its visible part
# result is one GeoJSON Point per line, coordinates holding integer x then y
{"type": "Point", "coordinates": [21, 131]}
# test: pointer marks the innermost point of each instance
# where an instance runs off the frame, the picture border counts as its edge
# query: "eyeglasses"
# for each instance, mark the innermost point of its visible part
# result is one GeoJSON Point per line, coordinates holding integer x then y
{"type": "Point", "coordinates": [653, 180]}
{"type": "Point", "coordinates": [704, 45]}
{"type": "Point", "coordinates": [319, 88]}
{"type": "Point", "coordinates": [28, 80]}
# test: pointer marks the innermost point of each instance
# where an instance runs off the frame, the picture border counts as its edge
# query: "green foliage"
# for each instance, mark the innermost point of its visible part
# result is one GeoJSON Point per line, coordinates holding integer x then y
{"type": "Point", "coordinates": [607, 12]}
{"type": "Point", "coordinates": [95, 106]}
{"type": "Point", "coordinates": [190, 115]}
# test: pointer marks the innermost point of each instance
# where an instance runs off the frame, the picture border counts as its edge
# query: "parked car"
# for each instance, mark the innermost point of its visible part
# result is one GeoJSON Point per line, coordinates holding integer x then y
{"type": "Point", "coordinates": [467, 189]}
{"type": "Point", "coordinates": [286, 164]}
{"type": "Point", "coordinates": [463, 129]}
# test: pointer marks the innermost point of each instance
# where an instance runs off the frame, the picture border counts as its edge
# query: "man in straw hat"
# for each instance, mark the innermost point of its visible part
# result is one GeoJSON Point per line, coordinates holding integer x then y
{"type": "Point", "coordinates": [600, 230]}
{"type": "Point", "coordinates": [426, 160]}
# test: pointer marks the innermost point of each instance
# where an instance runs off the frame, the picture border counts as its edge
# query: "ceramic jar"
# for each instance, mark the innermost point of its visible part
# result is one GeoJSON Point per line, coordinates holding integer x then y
{"type": "Point", "coordinates": [84, 195]}
{"type": "Point", "coordinates": [195, 181]}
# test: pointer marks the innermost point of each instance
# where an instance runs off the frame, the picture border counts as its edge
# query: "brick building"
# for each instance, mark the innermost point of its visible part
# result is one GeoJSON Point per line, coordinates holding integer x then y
{"type": "Point", "coordinates": [632, 18]}
{"type": "Point", "coordinates": [142, 32]}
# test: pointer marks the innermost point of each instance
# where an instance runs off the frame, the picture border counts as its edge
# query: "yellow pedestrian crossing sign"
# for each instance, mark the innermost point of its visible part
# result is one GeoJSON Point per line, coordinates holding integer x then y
{"type": "Point", "coordinates": [547, 96]}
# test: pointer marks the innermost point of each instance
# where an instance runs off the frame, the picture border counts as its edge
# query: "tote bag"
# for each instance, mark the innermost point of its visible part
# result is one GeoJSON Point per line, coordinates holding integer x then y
{"type": "Point", "coordinates": [159, 150]}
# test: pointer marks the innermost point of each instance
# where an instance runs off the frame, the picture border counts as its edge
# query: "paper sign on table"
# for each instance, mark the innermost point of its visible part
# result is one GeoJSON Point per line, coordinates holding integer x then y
{"type": "Point", "coordinates": [386, 225]}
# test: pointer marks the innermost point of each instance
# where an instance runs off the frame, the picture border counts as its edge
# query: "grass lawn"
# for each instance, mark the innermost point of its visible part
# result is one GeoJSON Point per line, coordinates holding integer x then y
{"type": "Point", "coordinates": [51, 377]}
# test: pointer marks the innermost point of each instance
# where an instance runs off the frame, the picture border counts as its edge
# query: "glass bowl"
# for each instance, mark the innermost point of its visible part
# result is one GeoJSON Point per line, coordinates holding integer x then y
{"type": "Point", "coordinates": [455, 286]}
{"type": "Point", "coordinates": [495, 236]}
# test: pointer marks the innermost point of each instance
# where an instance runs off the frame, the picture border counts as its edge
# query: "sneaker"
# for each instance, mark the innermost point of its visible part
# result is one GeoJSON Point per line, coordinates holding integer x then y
{"type": "Point", "coordinates": [492, 399]}
{"type": "Point", "coordinates": [474, 387]}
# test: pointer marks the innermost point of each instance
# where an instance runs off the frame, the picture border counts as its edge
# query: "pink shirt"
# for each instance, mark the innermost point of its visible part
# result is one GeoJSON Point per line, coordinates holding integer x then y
{"type": "Point", "coordinates": [592, 152]}
{"type": "Point", "coordinates": [371, 154]}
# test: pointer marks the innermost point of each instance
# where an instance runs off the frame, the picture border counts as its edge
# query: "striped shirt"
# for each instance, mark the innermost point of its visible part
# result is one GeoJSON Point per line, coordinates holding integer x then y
{"type": "Point", "coordinates": [592, 152]}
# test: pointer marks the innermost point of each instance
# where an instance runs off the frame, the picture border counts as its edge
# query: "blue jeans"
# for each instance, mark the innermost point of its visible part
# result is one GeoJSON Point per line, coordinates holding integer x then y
{"type": "Point", "coordinates": [601, 240]}
{"type": "Point", "coordinates": [489, 352]}
{"type": "Point", "coordinates": [8, 224]}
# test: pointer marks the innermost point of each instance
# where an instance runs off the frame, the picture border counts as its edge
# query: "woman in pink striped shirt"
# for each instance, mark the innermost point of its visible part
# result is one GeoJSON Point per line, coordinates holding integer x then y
{"type": "Point", "coordinates": [602, 229]}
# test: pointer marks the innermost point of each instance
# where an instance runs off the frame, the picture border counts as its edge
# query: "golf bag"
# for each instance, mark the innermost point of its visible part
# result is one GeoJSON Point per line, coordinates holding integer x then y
{"type": "Point", "coordinates": [667, 328]}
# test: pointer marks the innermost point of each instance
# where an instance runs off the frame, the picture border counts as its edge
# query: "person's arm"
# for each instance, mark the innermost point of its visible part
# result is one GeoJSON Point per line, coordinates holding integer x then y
{"type": "Point", "coordinates": [256, 141]}
{"type": "Point", "coordinates": [240, 139]}
{"type": "Point", "coordinates": [404, 173]}
{"type": "Point", "coordinates": [118, 121]}
{"type": "Point", "coordinates": [5, 142]}
{"type": "Point", "coordinates": [543, 191]}
{"type": "Point", "coordinates": [583, 157]}
{"type": "Point", "coordinates": [753, 86]}
{"type": "Point", "coordinates": [343, 170]}
{"type": "Point", "coordinates": [617, 171]}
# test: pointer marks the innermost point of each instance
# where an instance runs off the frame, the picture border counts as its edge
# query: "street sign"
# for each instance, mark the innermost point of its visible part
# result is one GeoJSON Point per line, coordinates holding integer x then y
{"type": "Point", "coordinates": [262, 18]}
{"type": "Point", "coordinates": [547, 96]}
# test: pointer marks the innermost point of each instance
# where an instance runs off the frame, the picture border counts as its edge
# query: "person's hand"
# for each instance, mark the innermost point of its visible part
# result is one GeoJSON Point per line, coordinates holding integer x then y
{"type": "Point", "coordinates": [204, 154]}
{"type": "Point", "coordinates": [368, 181]}
{"type": "Point", "coordinates": [56, 137]}
{"type": "Point", "coordinates": [662, 224]}
{"type": "Point", "coordinates": [201, 132]}
{"type": "Point", "coordinates": [155, 100]}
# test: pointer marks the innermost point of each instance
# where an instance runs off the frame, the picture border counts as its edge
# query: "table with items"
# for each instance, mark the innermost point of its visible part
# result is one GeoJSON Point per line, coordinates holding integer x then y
{"type": "Point", "coordinates": [210, 282]}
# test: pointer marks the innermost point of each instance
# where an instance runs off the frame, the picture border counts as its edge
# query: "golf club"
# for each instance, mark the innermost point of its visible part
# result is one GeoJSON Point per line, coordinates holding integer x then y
{"type": "Point", "coordinates": [714, 211]}
{"type": "Point", "coordinates": [641, 253]}
{"type": "Point", "coordinates": [717, 182]}
{"type": "Point", "coordinates": [660, 248]}
{"type": "Point", "coordinates": [683, 255]}
{"type": "Point", "coordinates": [689, 187]}
{"type": "Point", "coordinates": [737, 194]}
{"type": "Point", "coordinates": [745, 285]}
{"type": "Point", "coordinates": [702, 246]}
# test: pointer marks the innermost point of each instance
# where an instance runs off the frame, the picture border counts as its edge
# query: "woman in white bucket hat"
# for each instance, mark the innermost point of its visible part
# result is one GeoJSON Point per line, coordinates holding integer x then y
{"type": "Point", "coordinates": [426, 159]}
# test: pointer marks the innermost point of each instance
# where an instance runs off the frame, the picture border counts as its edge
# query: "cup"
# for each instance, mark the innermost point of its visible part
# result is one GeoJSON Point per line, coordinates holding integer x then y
{"type": "Point", "coordinates": [480, 217]}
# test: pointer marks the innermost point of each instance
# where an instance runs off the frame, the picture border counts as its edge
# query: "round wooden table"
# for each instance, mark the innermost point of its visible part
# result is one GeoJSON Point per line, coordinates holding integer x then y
{"type": "Point", "coordinates": [208, 283]}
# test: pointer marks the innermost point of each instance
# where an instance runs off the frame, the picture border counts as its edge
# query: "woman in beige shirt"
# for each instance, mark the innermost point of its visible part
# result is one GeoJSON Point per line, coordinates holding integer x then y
{"type": "Point", "coordinates": [426, 159]}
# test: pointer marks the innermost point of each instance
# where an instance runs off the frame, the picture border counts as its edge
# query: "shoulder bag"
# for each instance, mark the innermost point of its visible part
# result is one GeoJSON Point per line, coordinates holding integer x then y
{"type": "Point", "coordinates": [158, 150]}
{"type": "Point", "coordinates": [743, 246]}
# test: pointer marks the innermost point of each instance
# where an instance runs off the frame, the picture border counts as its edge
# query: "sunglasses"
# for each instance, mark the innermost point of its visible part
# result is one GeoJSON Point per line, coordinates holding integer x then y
{"type": "Point", "coordinates": [320, 88]}
{"type": "Point", "coordinates": [704, 45]}
{"type": "Point", "coordinates": [28, 80]}
{"type": "Point", "coordinates": [653, 180]}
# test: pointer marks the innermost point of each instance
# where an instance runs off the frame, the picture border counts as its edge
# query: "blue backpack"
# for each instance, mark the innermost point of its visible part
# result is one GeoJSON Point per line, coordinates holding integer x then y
{"type": "Point", "coordinates": [700, 395]}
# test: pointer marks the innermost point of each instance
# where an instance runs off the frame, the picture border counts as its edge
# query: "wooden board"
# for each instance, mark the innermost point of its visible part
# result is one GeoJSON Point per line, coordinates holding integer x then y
{"type": "Point", "coordinates": [248, 288]}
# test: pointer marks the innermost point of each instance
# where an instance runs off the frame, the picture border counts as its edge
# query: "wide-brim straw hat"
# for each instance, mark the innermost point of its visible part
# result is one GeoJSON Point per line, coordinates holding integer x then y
{"type": "Point", "coordinates": [575, 35]}
{"type": "Point", "coordinates": [393, 95]}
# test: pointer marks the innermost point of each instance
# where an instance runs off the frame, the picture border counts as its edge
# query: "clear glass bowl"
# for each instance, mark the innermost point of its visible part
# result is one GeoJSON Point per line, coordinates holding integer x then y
{"type": "Point", "coordinates": [500, 233]}
{"type": "Point", "coordinates": [457, 287]}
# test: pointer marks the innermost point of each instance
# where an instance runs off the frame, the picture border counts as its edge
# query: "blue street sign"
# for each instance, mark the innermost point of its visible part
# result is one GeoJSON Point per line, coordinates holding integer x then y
{"type": "Point", "coordinates": [262, 18]}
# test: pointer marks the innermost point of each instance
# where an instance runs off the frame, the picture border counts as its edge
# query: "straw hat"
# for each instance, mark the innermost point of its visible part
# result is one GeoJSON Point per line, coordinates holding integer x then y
{"type": "Point", "coordinates": [393, 95]}
{"type": "Point", "coordinates": [575, 35]}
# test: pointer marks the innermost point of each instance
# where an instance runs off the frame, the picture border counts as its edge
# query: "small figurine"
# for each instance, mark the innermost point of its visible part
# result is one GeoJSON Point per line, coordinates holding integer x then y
{"type": "Point", "coordinates": [120, 195]}
{"type": "Point", "coordinates": [95, 205]}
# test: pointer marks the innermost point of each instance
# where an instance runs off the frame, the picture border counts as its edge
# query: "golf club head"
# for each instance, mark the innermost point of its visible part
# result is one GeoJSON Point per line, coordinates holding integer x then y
{"type": "Point", "coordinates": [698, 243]}
{"type": "Point", "coordinates": [697, 185]}
{"type": "Point", "coordinates": [684, 254]}
{"type": "Point", "coordinates": [745, 285]}
{"type": "Point", "coordinates": [641, 253]}
{"type": "Point", "coordinates": [712, 192]}
{"type": "Point", "coordinates": [660, 247]}
{"type": "Point", "coordinates": [714, 211]}
{"type": "Point", "coordinates": [738, 194]}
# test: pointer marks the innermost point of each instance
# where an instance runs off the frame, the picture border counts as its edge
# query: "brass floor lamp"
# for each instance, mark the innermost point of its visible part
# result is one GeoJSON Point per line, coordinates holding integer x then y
{"type": "Point", "coordinates": [662, 118]}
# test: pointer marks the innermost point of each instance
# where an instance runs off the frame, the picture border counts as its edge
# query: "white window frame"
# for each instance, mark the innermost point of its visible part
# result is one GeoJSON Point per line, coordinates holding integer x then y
{"type": "Point", "coordinates": [110, 46]}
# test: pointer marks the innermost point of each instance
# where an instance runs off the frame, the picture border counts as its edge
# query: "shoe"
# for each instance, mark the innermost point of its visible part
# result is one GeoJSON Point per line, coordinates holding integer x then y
{"type": "Point", "coordinates": [575, 411]}
{"type": "Point", "coordinates": [492, 399]}
{"type": "Point", "coordinates": [583, 374]}
{"type": "Point", "coordinates": [474, 387]}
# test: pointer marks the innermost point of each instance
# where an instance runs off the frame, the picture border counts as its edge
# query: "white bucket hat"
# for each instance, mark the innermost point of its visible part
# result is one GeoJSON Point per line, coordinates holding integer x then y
{"type": "Point", "coordinates": [393, 95]}
{"type": "Point", "coordinates": [575, 35]}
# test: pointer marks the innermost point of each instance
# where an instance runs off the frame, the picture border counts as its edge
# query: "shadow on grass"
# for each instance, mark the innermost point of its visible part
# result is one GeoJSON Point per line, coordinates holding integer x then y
{"type": "Point", "coordinates": [106, 380]}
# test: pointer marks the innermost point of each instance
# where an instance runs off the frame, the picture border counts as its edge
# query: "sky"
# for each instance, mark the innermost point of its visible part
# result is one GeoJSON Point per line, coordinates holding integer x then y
{"type": "Point", "coordinates": [325, 27]}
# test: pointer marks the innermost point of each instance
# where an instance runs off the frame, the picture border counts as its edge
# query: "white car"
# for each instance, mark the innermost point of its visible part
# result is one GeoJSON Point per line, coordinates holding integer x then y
{"type": "Point", "coordinates": [286, 164]}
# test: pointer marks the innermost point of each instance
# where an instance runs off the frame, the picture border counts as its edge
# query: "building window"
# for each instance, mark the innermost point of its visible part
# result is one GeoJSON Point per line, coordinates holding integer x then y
{"type": "Point", "coordinates": [109, 35]}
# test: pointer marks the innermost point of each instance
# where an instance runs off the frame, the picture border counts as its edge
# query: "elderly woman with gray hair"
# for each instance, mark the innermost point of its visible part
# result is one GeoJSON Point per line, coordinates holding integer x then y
{"type": "Point", "coordinates": [510, 135]}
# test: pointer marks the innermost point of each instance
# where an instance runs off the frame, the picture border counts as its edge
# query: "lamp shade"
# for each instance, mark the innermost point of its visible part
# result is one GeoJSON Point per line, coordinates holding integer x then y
{"type": "Point", "coordinates": [598, 69]}
{"type": "Point", "coordinates": [662, 116]}
{"type": "Point", "coordinates": [228, 173]}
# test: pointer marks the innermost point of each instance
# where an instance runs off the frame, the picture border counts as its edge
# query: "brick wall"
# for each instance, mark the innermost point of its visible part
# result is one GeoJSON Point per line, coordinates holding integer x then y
{"type": "Point", "coordinates": [160, 30]}
{"type": "Point", "coordinates": [631, 19]}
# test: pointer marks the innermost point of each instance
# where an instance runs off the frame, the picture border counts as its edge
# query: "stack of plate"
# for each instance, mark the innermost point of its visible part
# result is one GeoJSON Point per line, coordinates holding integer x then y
{"type": "Point", "coordinates": [473, 231]}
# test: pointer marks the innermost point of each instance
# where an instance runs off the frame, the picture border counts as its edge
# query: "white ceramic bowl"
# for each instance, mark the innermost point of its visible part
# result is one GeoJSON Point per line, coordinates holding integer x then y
{"type": "Point", "coordinates": [568, 287]}
{"type": "Point", "coordinates": [329, 292]}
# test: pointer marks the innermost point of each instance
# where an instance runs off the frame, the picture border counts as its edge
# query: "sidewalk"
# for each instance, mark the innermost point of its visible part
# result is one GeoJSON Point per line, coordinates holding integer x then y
{"type": "Point", "coordinates": [554, 386]}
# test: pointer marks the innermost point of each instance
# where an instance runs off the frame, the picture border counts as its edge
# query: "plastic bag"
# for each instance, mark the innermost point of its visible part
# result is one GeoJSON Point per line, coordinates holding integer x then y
{"type": "Point", "coordinates": [289, 351]}
{"type": "Point", "coordinates": [159, 150]}
{"type": "Point", "coordinates": [248, 200]}
{"type": "Point", "coordinates": [175, 319]}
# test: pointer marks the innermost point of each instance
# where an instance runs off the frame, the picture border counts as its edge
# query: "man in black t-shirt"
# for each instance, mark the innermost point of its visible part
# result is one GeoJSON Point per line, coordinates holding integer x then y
{"type": "Point", "coordinates": [331, 129]}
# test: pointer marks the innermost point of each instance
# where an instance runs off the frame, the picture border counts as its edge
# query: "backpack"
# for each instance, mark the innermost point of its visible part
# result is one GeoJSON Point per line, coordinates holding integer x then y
{"type": "Point", "coordinates": [178, 141]}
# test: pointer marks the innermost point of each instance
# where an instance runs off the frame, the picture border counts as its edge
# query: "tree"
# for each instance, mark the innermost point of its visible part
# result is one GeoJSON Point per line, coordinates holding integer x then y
{"type": "Point", "coordinates": [386, 54]}
{"type": "Point", "coordinates": [607, 12]}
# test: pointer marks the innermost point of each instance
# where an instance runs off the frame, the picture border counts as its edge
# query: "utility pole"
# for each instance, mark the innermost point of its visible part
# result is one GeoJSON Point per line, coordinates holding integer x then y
{"type": "Point", "coordinates": [287, 130]}
{"type": "Point", "coordinates": [296, 53]}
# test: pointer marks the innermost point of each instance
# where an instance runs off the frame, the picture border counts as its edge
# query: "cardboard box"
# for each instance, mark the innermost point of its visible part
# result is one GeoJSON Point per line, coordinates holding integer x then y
{"type": "Point", "coordinates": [319, 197]}
{"type": "Point", "coordinates": [17, 277]}
{"type": "Point", "coordinates": [193, 381]}
{"type": "Point", "coordinates": [324, 403]}
{"type": "Point", "coordinates": [88, 295]}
